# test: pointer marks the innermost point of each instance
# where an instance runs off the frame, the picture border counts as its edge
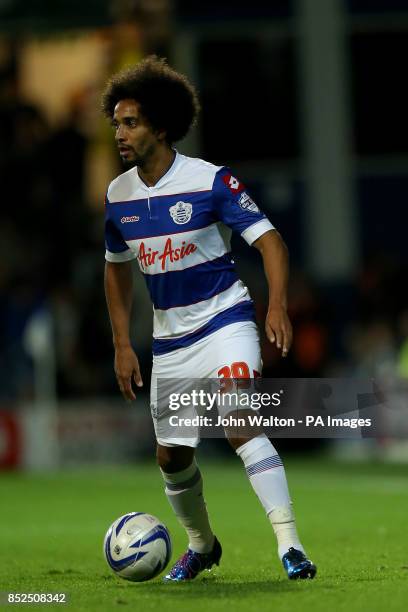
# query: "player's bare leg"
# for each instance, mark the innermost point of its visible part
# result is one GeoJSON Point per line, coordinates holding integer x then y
{"type": "Point", "coordinates": [173, 459]}
{"type": "Point", "coordinates": [184, 490]}
{"type": "Point", "coordinates": [268, 479]}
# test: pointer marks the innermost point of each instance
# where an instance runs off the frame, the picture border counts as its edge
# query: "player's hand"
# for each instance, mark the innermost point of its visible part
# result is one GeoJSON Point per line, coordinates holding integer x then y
{"type": "Point", "coordinates": [278, 328]}
{"type": "Point", "coordinates": [127, 370]}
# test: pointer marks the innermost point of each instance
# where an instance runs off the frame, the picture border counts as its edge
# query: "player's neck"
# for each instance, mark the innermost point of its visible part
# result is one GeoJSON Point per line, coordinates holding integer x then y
{"type": "Point", "coordinates": [156, 166]}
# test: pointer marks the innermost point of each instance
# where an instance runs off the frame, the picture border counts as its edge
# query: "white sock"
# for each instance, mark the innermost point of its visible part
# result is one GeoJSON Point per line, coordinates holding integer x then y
{"type": "Point", "coordinates": [284, 526]}
{"type": "Point", "coordinates": [268, 479]}
{"type": "Point", "coordinates": [184, 491]}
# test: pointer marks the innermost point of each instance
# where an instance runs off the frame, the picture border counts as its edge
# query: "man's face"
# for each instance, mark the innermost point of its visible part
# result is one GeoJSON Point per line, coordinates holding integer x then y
{"type": "Point", "coordinates": [134, 136]}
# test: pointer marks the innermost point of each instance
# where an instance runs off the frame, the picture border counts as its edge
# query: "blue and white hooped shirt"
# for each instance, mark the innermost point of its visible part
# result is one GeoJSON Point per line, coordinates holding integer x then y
{"type": "Point", "coordinates": [179, 231]}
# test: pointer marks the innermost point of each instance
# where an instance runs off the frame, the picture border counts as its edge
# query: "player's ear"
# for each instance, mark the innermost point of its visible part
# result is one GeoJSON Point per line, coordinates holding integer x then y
{"type": "Point", "coordinates": [161, 135]}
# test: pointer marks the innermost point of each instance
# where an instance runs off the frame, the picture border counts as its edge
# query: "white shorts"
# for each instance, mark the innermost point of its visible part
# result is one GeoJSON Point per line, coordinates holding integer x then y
{"type": "Point", "coordinates": [232, 351]}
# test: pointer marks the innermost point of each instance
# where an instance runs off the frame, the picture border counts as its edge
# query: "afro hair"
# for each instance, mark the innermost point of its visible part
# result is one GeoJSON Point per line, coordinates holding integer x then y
{"type": "Point", "coordinates": [167, 99]}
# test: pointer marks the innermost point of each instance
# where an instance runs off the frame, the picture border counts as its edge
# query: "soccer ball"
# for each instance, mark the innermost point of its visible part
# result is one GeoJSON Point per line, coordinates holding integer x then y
{"type": "Point", "coordinates": [137, 546]}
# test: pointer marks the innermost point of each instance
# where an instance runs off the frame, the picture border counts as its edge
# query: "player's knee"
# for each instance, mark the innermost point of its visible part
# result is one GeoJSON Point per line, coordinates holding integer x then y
{"type": "Point", "coordinates": [237, 435]}
{"type": "Point", "coordinates": [236, 442]}
{"type": "Point", "coordinates": [175, 458]}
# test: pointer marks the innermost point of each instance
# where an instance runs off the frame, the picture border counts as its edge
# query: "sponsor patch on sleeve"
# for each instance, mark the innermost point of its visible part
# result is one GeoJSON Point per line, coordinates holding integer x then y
{"type": "Point", "coordinates": [246, 203]}
{"type": "Point", "coordinates": [233, 184]}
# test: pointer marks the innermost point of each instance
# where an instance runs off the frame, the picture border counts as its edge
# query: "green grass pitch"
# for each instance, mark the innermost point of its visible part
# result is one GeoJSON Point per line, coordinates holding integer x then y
{"type": "Point", "coordinates": [352, 519]}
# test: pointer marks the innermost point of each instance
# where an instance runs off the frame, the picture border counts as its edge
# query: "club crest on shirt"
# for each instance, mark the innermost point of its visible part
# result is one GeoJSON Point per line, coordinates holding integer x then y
{"type": "Point", "coordinates": [181, 212]}
{"type": "Point", "coordinates": [246, 203]}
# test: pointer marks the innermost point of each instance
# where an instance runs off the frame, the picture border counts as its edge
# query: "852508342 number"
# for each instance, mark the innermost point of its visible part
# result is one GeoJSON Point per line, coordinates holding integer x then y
{"type": "Point", "coordinates": [33, 598]}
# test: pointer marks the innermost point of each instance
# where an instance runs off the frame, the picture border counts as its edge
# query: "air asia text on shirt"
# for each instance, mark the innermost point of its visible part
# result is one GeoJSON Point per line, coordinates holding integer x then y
{"type": "Point", "coordinates": [148, 258]}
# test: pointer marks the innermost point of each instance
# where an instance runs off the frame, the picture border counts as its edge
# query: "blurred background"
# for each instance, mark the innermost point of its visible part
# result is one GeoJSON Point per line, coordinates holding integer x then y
{"type": "Point", "coordinates": [304, 99]}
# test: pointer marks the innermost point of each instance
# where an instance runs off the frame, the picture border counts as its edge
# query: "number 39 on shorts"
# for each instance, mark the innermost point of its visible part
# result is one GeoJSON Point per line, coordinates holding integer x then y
{"type": "Point", "coordinates": [238, 370]}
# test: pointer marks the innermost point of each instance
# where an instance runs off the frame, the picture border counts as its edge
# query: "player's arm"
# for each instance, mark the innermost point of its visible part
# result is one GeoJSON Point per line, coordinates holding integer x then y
{"type": "Point", "coordinates": [235, 207]}
{"type": "Point", "coordinates": [276, 265]}
{"type": "Point", "coordinates": [119, 291]}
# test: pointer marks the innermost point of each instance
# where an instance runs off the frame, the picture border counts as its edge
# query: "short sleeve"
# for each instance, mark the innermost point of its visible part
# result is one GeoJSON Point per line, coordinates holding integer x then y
{"type": "Point", "coordinates": [235, 207]}
{"type": "Point", "coordinates": [117, 250]}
